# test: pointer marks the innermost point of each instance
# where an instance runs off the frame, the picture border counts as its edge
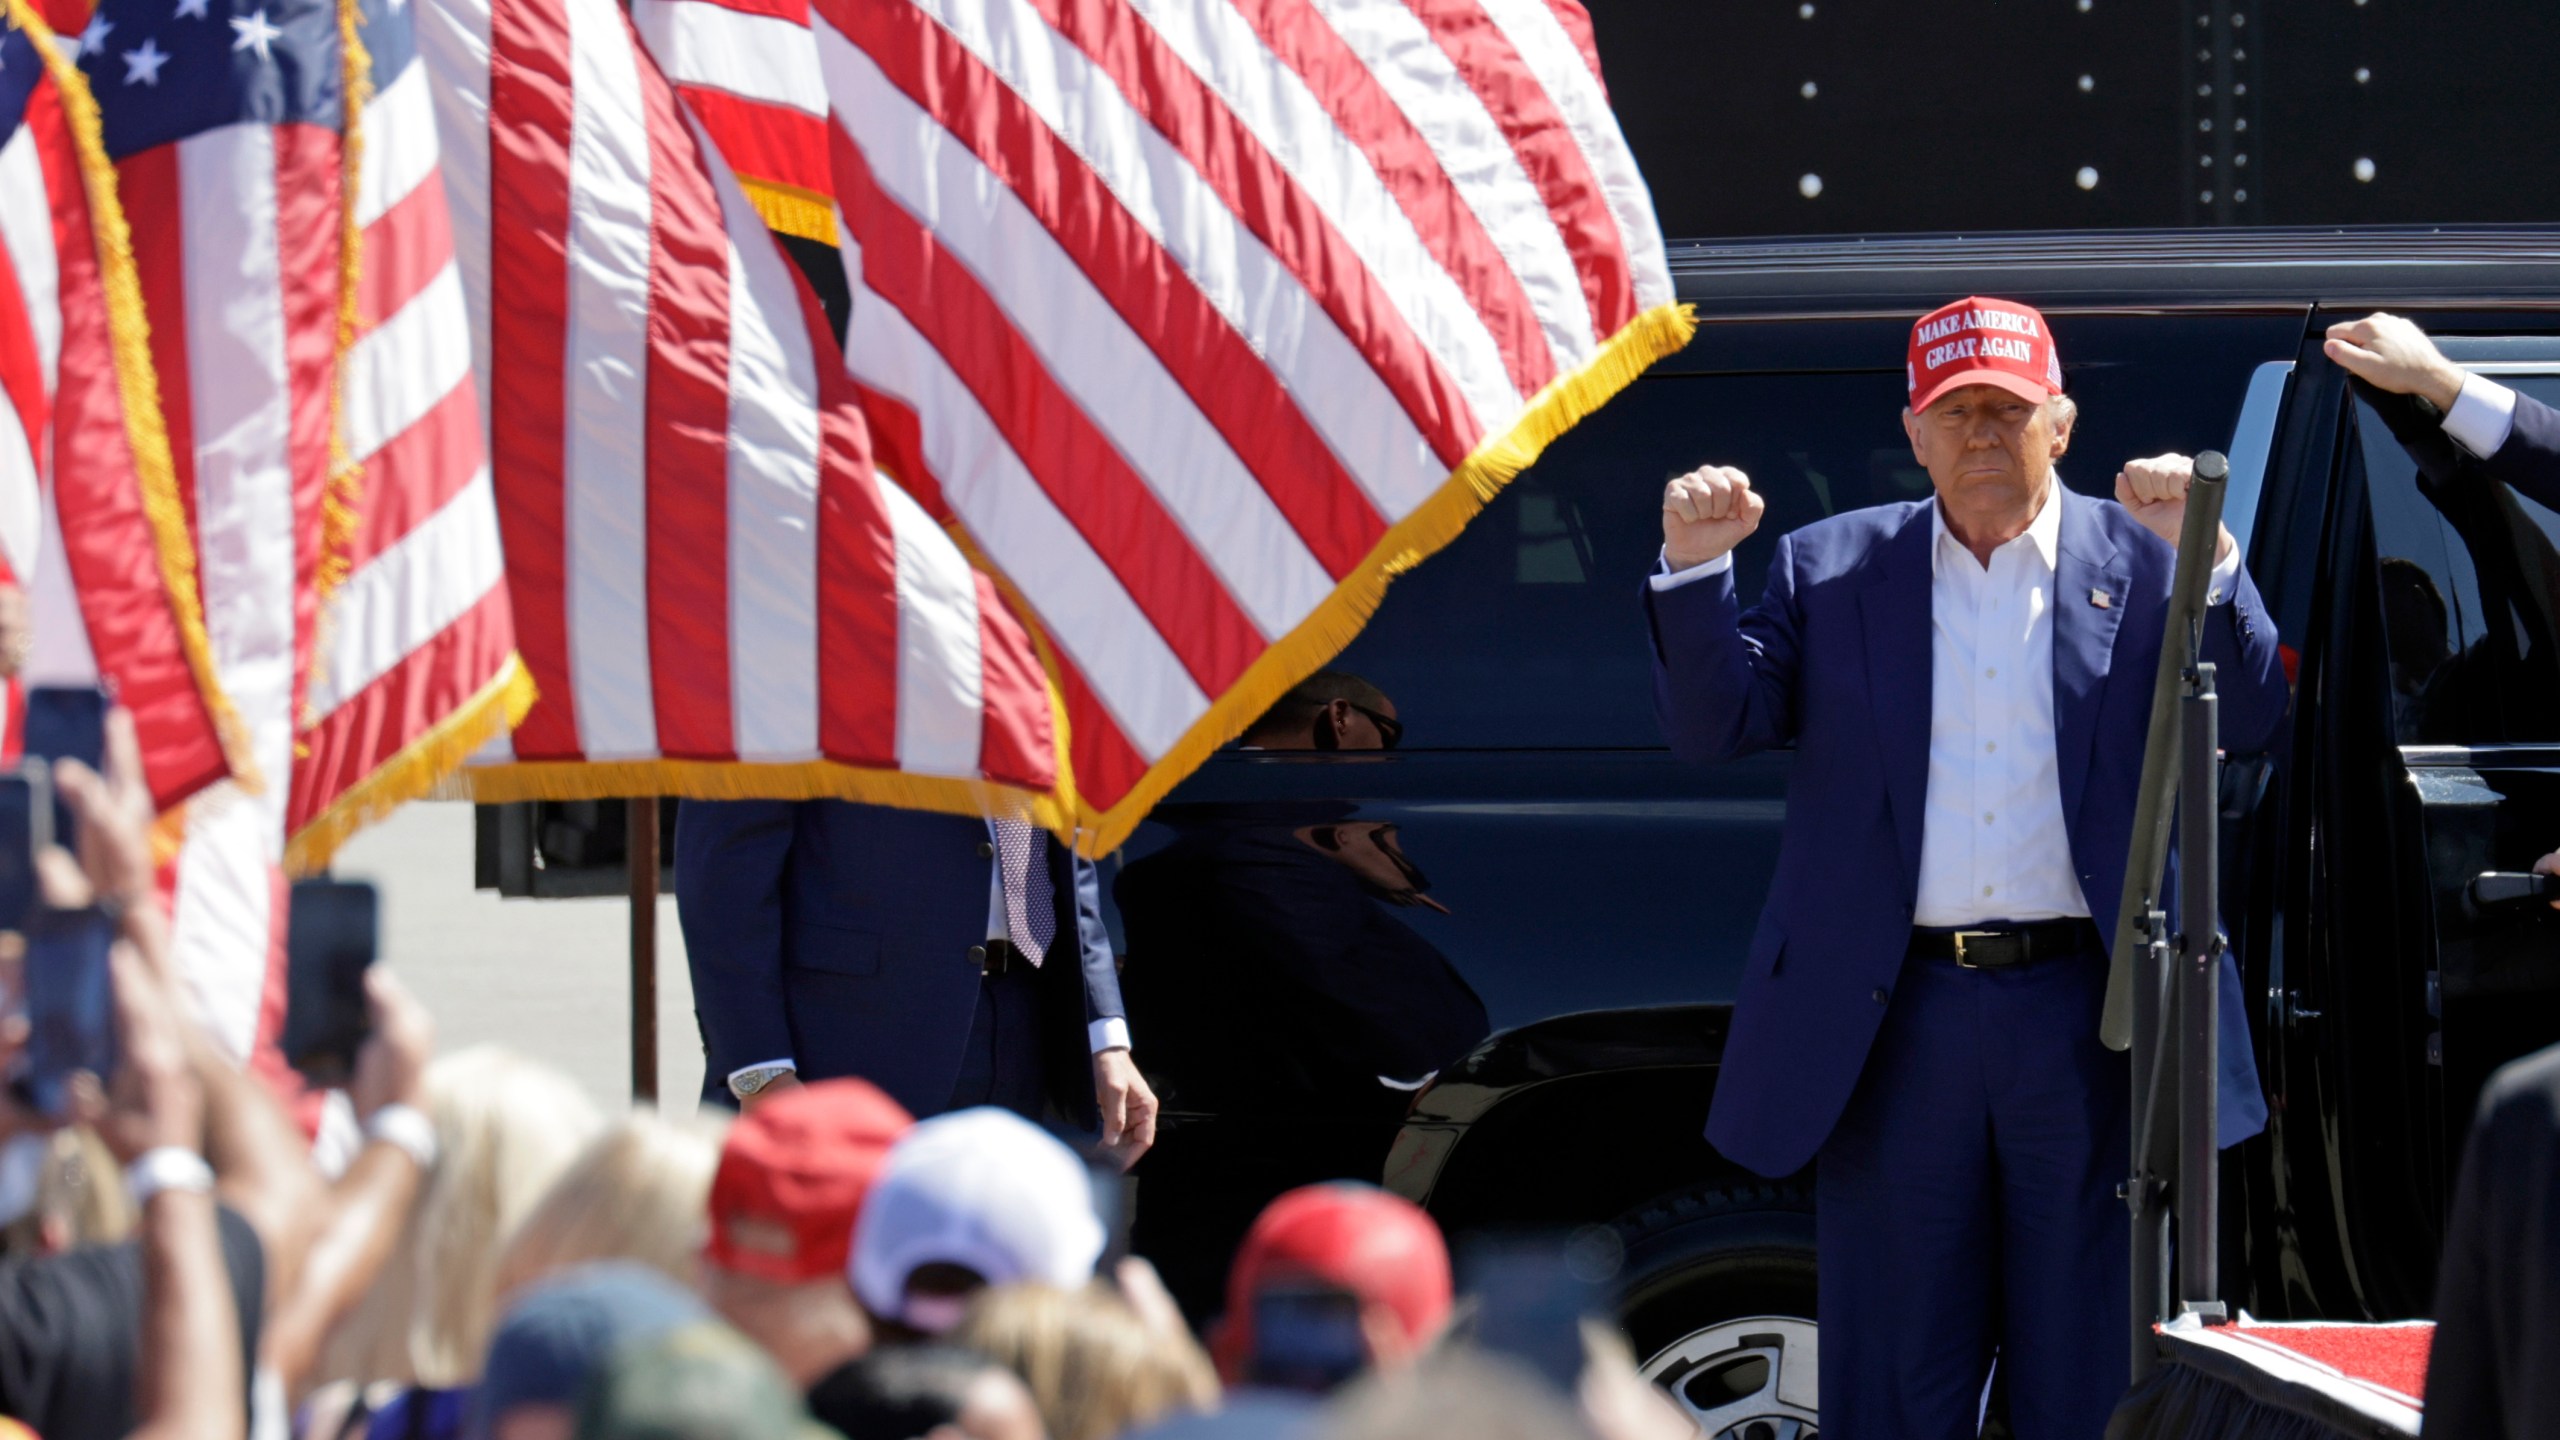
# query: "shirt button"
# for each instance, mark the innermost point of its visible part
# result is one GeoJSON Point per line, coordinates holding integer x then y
{"type": "Point", "coordinates": [1986, 889]}
{"type": "Point", "coordinates": [1991, 674]}
{"type": "Point", "coordinates": [1880, 997]}
{"type": "Point", "coordinates": [1989, 746]}
{"type": "Point", "coordinates": [1986, 817]}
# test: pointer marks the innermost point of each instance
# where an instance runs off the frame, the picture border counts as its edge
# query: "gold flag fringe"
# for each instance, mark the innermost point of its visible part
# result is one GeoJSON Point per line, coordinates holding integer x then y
{"type": "Point", "coordinates": [418, 770]}
{"type": "Point", "coordinates": [1336, 622]}
{"type": "Point", "coordinates": [341, 502]}
{"type": "Point", "coordinates": [792, 210]}
{"type": "Point", "coordinates": [138, 385]}
{"type": "Point", "coordinates": [744, 780]}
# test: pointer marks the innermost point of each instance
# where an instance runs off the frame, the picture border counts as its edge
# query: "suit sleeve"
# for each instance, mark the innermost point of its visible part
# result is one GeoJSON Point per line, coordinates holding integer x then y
{"type": "Point", "coordinates": [2240, 640]}
{"type": "Point", "coordinates": [1724, 680]}
{"type": "Point", "coordinates": [2530, 460]}
{"type": "Point", "coordinates": [1093, 947]}
{"type": "Point", "coordinates": [730, 860]}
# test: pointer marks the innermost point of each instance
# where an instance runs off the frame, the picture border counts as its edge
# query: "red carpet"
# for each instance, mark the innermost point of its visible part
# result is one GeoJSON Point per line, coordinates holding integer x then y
{"type": "Point", "coordinates": [2280, 1382]}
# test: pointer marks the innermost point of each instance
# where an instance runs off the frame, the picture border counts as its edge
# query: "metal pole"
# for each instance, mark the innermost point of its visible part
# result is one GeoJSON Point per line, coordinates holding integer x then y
{"type": "Point", "coordinates": [2199, 1001]}
{"type": "Point", "coordinates": [640, 827]}
{"type": "Point", "coordinates": [2139, 965]}
{"type": "Point", "coordinates": [2145, 1192]}
{"type": "Point", "coordinates": [2152, 804]}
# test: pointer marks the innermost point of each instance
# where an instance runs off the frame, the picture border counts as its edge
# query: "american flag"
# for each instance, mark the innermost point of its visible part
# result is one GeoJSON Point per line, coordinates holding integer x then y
{"type": "Point", "coordinates": [307, 334]}
{"type": "Point", "coordinates": [715, 592]}
{"type": "Point", "coordinates": [90, 525]}
{"type": "Point", "coordinates": [1204, 318]}
{"type": "Point", "coordinates": [747, 70]}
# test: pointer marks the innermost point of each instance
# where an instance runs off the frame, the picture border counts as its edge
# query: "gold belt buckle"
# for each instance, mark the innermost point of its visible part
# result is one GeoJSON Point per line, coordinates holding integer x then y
{"type": "Point", "coordinates": [1962, 936]}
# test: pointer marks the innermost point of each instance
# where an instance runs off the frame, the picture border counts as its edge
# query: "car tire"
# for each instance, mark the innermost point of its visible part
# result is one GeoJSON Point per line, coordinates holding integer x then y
{"type": "Point", "coordinates": [1717, 1296]}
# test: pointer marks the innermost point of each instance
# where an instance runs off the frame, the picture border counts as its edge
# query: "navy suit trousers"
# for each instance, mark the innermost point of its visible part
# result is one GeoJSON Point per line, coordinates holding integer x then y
{"type": "Point", "coordinates": [1965, 1208]}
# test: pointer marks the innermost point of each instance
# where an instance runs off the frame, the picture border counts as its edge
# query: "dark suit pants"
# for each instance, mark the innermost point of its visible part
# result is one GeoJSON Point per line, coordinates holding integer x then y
{"type": "Point", "coordinates": [1966, 1208]}
{"type": "Point", "coordinates": [1002, 1065]}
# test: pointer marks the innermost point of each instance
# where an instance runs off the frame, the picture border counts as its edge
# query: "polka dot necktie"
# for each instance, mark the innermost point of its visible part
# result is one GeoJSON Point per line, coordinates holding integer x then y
{"type": "Point", "coordinates": [1030, 899]}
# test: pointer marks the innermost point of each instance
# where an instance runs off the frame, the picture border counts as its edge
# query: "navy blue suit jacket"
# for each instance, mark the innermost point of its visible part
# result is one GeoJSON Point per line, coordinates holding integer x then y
{"type": "Point", "coordinates": [1835, 659]}
{"type": "Point", "coordinates": [838, 935]}
{"type": "Point", "coordinates": [2530, 460]}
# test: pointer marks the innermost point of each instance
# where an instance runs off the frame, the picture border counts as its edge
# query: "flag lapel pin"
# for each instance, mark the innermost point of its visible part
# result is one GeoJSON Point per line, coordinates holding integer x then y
{"type": "Point", "coordinates": [2101, 599]}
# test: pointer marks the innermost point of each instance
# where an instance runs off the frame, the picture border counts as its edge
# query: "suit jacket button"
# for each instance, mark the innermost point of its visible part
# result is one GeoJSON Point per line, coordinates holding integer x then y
{"type": "Point", "coordinates": [978, 956]}
{"type": "Point", "coordinates": [986, 850]}
{"type": "Point", "coordinates": [1880, 996]}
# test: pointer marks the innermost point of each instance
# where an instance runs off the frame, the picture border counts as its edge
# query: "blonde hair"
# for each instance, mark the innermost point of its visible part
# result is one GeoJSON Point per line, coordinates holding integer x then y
{"type": "Point", "coordinates": [1096, 1369]}
{"type": "Point", "coordinates": [80, 1196]}
{"type": "Point", "coordinates": [637, 1193]}
{"type": "Point", "coordinates": [506, 1127]}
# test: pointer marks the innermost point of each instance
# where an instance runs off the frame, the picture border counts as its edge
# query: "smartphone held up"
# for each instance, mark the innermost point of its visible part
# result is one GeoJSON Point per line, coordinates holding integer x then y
{"type": "Point", "coordinates": [65, 992]}
{"type": "Point", "coordinates": [333, 930]}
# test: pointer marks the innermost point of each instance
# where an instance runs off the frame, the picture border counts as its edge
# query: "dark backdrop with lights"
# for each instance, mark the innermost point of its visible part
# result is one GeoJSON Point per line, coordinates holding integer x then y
{"type": "Point", "coordinates": [1802, 117]}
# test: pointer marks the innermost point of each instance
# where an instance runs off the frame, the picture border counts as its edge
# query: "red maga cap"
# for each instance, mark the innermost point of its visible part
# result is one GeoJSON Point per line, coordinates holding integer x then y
{"type": "Point", "coordinates": [792, 1176]}
{"type": "Point", "coordinates": [1977, 341]}
{"type": "Point", "coordinates": [1356, 1238]}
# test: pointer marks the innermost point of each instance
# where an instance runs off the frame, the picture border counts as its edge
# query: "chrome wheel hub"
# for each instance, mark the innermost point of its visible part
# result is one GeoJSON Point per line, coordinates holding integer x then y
{"type": "Point", "coordinates": [1748, 1379]}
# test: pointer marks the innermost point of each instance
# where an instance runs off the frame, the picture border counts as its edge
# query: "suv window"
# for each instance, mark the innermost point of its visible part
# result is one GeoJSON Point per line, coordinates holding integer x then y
{"type": "Point", "coordinates": [2467, 577]}
{"type": "Point", "coordinates": [1525, 631]}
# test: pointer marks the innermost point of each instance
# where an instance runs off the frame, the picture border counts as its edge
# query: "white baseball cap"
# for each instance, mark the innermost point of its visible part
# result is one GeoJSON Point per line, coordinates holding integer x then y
{"type": "Point", "coordinates": [982, 1189]}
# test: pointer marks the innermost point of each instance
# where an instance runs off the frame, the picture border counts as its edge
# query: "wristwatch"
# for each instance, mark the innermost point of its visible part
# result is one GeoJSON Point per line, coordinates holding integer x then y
{"type": "Point", "coordinates": [748, 1081]}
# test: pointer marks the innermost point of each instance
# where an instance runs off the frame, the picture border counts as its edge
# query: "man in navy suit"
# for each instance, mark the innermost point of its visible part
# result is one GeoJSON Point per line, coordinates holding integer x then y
{"type": "Point", "coordinates": [2516, 438]}
{"type": "Point", "coordinates": [952, 961]}
{"type": "Point", "coordinates": [1967, 681]}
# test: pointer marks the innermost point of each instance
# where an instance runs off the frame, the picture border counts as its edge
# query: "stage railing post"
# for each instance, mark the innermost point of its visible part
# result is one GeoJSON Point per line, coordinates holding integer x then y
{"type": "Point", "coordinates": [640, 847]}
{"type": "Point", "coordinates": [2199, 1004]}
{"type": "Point", "coordinates": [2140, 963]}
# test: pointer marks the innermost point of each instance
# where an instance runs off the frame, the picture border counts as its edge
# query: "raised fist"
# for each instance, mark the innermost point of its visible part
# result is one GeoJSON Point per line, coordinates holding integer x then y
{"type": "Point", "coordinates": [2154, 491]}
{"type": "Point", "coordinates": [1707, 512]}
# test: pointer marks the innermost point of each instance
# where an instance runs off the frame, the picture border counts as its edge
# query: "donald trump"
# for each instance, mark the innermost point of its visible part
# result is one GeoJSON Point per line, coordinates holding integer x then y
{"type": "Point", "coordinates": [1966, 680]}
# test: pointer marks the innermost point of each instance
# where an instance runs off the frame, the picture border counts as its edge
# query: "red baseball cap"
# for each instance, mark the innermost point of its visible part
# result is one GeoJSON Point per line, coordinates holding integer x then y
{"type": "Point", "coordinates": [1344, 1236]}
{"type": "Point", "coordinates": [1979, 341]}
{"type": "Point", "coordinates": [792, 1176]}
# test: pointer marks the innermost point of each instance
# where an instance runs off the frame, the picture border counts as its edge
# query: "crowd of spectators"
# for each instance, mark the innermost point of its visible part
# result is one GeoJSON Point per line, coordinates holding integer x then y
{"type": "Point", "coordinates": [495, 1259]}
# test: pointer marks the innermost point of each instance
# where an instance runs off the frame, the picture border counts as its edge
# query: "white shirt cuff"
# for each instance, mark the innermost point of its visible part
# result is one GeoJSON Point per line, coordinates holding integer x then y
{"type": "Point", "coordinates": [2482, 415]}
{"type": "Point", "coordinates": [2225, 578]}
{"type": "Point", "coordinates": [1666, 578]}
{"type": "Point", "coordinates": [785, 1063]}
{"type": "Point", "coordinates": [1110, 1034]}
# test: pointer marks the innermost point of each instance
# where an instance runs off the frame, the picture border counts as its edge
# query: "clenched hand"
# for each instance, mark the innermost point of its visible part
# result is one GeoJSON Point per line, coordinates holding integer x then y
{"type": "Point", "coordinates": [2154, 491]}
{"type": "Point", "coordinates": [1706, 513]}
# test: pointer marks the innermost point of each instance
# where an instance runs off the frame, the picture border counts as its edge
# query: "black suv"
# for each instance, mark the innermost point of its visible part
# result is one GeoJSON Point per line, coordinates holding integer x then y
{"type": "Point", "coordinates": [1530, 919]}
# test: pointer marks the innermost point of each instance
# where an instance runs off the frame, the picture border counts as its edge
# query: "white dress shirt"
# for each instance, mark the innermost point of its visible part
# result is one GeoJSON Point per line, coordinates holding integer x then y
{"type": "Point", "coordinates": [2482, 416]}
{"type": "Point", "coordinates": [1993, 842]}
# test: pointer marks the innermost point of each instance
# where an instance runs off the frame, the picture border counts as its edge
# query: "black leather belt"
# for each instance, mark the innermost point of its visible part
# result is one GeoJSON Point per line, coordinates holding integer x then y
{"type": "Point", "coordinates": [2003, 947]}
{"type": "Point", "coordinates": [997, 957]}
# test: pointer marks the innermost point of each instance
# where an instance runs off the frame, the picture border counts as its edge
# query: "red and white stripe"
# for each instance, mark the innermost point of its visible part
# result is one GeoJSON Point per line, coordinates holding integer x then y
{"type": "Point", "coordinates": [420, 635]}
{"type": "Point", "coordinates": [1183, 309]}
{"type": "Point", "coordinates": [745, 66]}
{"type": "Point", "coordinates": [706, 571]}
{"type": "Point", "coordinates": [239, 274]}
{"type": "Point", "coordinates": [72, 521]}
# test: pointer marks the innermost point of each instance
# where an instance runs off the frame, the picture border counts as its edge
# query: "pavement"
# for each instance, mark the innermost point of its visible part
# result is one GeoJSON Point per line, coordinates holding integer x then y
{"type": "Point", "coordinates": [548, 978]}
